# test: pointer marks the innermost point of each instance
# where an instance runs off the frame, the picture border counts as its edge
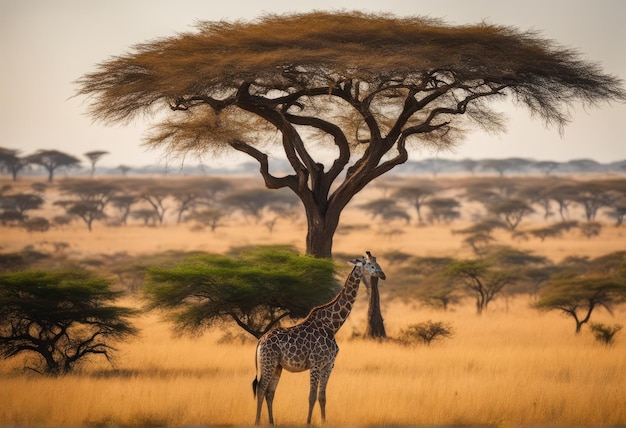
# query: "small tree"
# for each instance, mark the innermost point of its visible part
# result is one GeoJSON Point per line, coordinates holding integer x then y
{"type": "Point", "coordinates": [124, 169]}
{"type": "Point", "coordinates": [20, 203]}
{"type": "Point", "coordinates": [552, 231]}
{"type": "Point", "coordinates": [577, 297]}
{"type": "Point", "coordinates": [196, 192]}
{"type": "Point", "coordinates": [582, 286]}
{"type": "Point", "coordinates": [590, 229]}
{"type": "Point", "coordinates": [440, 292]}
{"type": "Point", "coordinates": [89, 199]}
{"type": "Point", "coordinates": [94, 157]}
{"type": "Point", "coordinates": [155, 195]}
{"type": "Point", "coordinates": [386, 208]}
{"type": "Point", "coordinates": [11, 162]}
{"type": "Point", "coordinates": [62, 317]}
{"type": "Point", "coordinates": [253, 202]}
{"type": "Point", "coordinates": [123, 203]}
{"type": "Point", "coordinates": [423, 276]}
{"type": "Point", "coordinates": [37, 224]}
{"type": "Point", "coordinates": [605, 333]}
{"type": "Point", "coordinates": [563, 193]}
{"type": "Point", "coordinates": [147, 215]}
{"type": "Point", "coordinates": [443, 209]}
{"type": "Point", "coordinates": [426, 332]}
{"type": "Point", "coordinates": [208, 217]}
{"type": "Point", "coordinates": [593, 195]}
{"type": "Point", "coordinates": [512, 211]}
{"type": "Point", "coordinates": [416, 195]}
{"type": "Point", "coordinates": [483, 280]}
{"type": "Point", "coordinates": [87, 211]}
{"type": "Point", "coordinates": [547, 167]}
{"type": "Point", "coordinates": [256, 289]}
{"type": "Point", "coordinates": [52, 160]}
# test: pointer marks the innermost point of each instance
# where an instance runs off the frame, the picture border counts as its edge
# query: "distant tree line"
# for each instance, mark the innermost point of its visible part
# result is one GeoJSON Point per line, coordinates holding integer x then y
{"type": "Point", "coordinates": [491, 204]}
{"type": "Point", "coordinates": [575, 287]}
{"type": "Point", "coordinates": [50, 161]}
{"type": "Point", "coordinates": [206, 202]}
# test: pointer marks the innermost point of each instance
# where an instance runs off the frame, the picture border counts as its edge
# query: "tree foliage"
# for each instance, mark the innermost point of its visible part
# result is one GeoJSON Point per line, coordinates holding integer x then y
{"type": "Point", "coordinates": [62, 317]}
{"type": "Point", "coordinates": [368, 86]}
{"type": "Point", "coordinates": [52, 160]}
{"type": "Point", "coordinates": [426, 332]}
{"type": "Point", "coordinates": [416, 195]}
{"type": "Point", "coordinates": [88, 199]}
{"type": "Point", "coordinates": [582, 286]}
{"type": "Point", "coordinates": [15, 206]}
{"type": "Point", "coordinates": [11, 161]}
{"type": "Point", "coordinates": [94, 156]}
{"type": "Point", "coordinates": [256, 288]}
{"type": "Point", "coordinates": [512, 211]}
{"type": "Point", "coordinates": [604, 333]}
{"type": "Point", "coordinates": [483, 281]}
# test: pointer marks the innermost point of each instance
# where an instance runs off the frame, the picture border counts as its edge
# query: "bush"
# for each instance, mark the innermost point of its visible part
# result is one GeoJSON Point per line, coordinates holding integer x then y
{"type": "Point", "coordinates": [605, 333]}
{"type": "Point", "coordinates": [426, 332]}
{"type": "Point", "coordinates": [37, 224]}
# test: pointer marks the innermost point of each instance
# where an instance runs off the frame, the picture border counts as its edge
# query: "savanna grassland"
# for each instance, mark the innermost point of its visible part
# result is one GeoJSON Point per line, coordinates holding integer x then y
{"type": "Point", "coordinates": [511, 366]}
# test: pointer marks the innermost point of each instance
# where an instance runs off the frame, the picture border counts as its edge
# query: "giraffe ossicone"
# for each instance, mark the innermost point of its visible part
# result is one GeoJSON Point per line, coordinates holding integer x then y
{"type": "Point", "coordinates": [310, 344]}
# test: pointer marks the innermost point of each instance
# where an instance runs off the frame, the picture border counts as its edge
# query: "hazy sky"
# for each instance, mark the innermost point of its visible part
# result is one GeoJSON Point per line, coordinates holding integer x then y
{"type": "Point", "coordinates": [46, 45]}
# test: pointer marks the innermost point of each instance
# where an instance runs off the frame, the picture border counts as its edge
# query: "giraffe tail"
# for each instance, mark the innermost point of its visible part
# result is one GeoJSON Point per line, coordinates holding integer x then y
{"type": "Point", "coordinates": [255, 382]}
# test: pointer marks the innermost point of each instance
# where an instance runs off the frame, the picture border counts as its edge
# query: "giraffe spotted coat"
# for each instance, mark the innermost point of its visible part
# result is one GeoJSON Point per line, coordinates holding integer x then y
{"type": "Point", "coordinates": [309, 345]}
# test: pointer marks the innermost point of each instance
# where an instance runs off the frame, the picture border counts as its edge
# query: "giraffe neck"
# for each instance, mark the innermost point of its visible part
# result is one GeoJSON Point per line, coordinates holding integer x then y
{"type": "Point", "coordinates": [334, 313]}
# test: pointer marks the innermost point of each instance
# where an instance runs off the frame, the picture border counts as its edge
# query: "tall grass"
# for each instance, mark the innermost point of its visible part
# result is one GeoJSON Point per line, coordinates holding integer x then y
{"type": "Point", "coordinates": [508, 367]}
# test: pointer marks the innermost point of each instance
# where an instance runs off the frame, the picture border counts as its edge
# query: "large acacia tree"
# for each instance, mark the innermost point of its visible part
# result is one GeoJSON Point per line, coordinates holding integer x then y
{"type": "Point", "coordinates": [367, 87]}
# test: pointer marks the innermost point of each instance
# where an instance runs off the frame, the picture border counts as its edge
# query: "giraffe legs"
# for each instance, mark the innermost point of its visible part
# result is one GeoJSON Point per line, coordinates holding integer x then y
{"type": "Point", "coordinates": [269, 393]}
{"type": "Point", "coordinates": [319, 380]}
{"type": "Point", "coordinates": [325, 374]}
{"type": "Point", "coordinates": [265, 390]}
{"type": "Point", "coordinates": [315, 380]}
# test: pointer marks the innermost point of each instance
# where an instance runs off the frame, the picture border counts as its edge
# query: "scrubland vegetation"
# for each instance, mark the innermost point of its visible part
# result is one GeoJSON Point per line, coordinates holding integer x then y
{"type": "Point", "coordinates": [512, 365]}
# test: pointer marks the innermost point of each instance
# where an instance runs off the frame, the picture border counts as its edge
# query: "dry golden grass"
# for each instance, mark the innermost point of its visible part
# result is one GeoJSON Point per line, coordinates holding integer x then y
{"type": "Point", "coordinates": [512, 366]}
{"type": "Point", "coordinates": [509, 367]}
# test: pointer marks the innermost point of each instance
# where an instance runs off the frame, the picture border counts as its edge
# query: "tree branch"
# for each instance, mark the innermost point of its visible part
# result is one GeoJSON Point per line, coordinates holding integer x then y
{"type": "Point", "coordinates": [271, 181]}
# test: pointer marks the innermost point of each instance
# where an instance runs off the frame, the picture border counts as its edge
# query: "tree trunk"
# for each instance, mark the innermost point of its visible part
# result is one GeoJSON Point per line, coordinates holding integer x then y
{"type": "Point", "coordinates": [579, 325]}
{"type": "Point", "coordinates": [375, 324]}
{"type": "Point", "coordinates": [480, 305]}
{"type": "Point", "coordinates": [319, 238]}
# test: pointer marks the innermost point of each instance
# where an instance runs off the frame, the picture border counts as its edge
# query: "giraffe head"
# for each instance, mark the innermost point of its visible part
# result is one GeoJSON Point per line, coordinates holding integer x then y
{"type": "Point", "coordinates": [370, 267]}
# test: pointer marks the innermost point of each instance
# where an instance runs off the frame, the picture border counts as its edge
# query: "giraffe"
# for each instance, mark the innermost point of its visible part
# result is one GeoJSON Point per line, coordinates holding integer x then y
{"type": "Point", "coordinates": [310, 344]}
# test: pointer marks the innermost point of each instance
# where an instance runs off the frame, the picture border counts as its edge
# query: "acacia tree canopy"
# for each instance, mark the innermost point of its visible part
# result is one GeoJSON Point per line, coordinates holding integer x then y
{"type": "Point", "coordinates": [63, 317]}
{"type": "Point", "coordinates": [585, 285]}
{"type": "Point", "coordinates": [255, 289]}
{"type": "Point", "coordinates": [51, 160]}
{"type": "Point", "coordinates": [366, 86]}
